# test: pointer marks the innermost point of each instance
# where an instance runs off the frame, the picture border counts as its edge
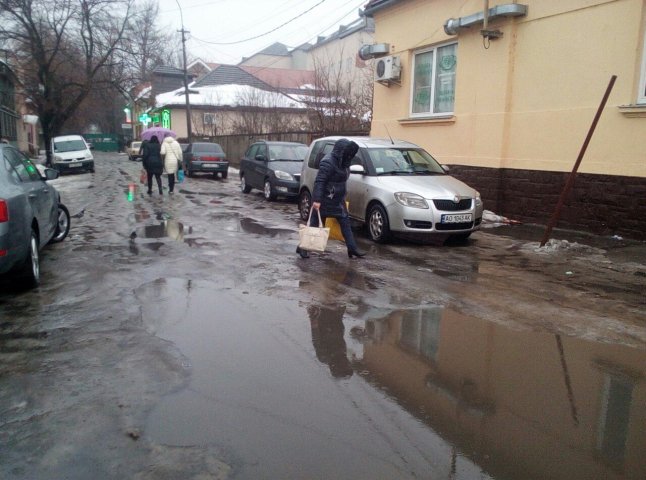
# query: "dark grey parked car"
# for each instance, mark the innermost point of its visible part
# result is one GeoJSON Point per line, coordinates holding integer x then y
{"type": "Point", "coordinates": [273, 167]}
{"type": "Point", "coordinates": [31, 216]}
{"type": "Point", "coordinates": [205, 157]}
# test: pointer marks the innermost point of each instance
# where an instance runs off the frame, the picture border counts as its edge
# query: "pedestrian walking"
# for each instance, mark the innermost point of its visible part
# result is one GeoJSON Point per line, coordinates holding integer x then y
{"type": "Point", "coordinates": [171, 152]}
{"type": "Point", "coordinates": [329, 192]}
{"type": "Point", "coordinates": [153, 164]}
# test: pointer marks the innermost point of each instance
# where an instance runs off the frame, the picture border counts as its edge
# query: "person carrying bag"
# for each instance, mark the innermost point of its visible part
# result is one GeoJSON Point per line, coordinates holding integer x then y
{"type": "Point", "coordinates": [312, 238]}
{"type": "Point", "coordinates": [171, 152]}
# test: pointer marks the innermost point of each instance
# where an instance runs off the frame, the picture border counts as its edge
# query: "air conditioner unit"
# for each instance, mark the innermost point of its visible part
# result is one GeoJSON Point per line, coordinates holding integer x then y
{"type": "Point", "coordinates": [387, 69]}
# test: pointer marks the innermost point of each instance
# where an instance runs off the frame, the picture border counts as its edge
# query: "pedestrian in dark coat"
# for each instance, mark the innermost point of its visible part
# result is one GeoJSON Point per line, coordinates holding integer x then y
{"type": "Point", "coordinates": [153, 163]}
{"type": "Point", "coordinates": [330, 189]}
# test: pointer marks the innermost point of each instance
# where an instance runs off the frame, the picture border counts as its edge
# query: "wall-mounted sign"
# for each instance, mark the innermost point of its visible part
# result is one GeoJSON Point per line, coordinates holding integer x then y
{"type": "Point", "coordinates": [165, 118]}
{"type": "Point", "coordinates": [145, 119]}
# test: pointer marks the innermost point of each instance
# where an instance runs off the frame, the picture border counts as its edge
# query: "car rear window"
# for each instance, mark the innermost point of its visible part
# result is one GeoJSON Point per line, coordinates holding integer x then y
{"type": "Point", "coordinates": [287, 152]}
{"type": "Point", "coordinates": [207, 148]}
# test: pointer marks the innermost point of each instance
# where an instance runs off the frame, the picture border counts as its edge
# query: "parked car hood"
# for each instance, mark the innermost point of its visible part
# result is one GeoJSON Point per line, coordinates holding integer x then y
{"type": "Point", "coordinates": [428, 186]}
{"type": "Point", "coordinates": [288, 166]}
{"type": "Point", "coordinates": [73, 155]}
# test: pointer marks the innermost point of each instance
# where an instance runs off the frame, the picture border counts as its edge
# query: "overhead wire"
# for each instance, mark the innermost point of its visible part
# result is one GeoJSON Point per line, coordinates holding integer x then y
{"type": "Point", "coordinates": [309, 39]}
{"type": "Point", "coordinates": [266, 33]}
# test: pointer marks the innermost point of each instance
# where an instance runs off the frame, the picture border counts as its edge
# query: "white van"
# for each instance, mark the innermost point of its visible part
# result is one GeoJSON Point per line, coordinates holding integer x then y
{"type": "Point", "coordinates": [71, 153]}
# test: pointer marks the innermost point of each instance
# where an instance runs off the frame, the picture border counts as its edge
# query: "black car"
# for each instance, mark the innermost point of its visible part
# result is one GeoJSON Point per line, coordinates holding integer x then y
{"type": "Point", "coordinates": [273, 167]}
{"type": "Point", "coordinates": [205, 157]}
{"type": "Point", "coordinates": [31, 216]}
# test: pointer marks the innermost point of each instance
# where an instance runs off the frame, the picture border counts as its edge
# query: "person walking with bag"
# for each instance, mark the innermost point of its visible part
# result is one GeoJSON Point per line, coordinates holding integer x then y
{"type": "Point", "coordinates": [171, 152]}
{"type": "Point", "coordinates": [152, 162]}
{"type": "Point", "coordinates": [329, 192]}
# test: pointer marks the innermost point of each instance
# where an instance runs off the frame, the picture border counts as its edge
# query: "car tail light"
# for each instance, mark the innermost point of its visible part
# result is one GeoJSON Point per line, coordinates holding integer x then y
{"type": "Point", "coordinates": [4, 211]}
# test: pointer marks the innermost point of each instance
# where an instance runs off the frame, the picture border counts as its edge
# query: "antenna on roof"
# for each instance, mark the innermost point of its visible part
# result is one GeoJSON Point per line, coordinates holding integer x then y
{"type": "Point", "coordinates": [391, 138]}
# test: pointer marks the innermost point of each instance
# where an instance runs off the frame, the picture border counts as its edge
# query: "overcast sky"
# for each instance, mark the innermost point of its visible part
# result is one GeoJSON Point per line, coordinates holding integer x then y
{"type": "Point", "coordinates": [227, 21]}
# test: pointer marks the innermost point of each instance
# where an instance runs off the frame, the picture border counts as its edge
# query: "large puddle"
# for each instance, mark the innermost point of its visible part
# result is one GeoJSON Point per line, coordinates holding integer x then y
{"type": "Point", "coordinates": [325, 391]}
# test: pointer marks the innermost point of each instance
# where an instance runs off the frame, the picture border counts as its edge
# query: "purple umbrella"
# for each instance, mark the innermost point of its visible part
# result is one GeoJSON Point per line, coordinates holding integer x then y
{"type": "Point", "coordinates": [159, 132]}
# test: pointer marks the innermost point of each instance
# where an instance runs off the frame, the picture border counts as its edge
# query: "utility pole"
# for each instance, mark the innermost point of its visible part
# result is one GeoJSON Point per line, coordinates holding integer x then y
{"type": "Point", "coordinates": [188, 103]}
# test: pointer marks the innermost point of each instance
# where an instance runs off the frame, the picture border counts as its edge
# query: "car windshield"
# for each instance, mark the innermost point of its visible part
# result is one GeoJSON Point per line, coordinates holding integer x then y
{"type": "Point", "coordinates": [69, 146]}
{"type": "Point", "coordinates": [207, 148]}
{"type": "Point", "coordinates": [136, 144]}
{"type": "Point", "coordinates": [295, 153]}
{"type": "Point", "coordinates": [403, 161]}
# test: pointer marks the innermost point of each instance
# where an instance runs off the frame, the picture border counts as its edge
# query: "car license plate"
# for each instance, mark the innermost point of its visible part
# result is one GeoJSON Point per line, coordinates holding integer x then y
{"type": "Point", "coordinates": [457, 218]}
{"type": "Point", "coordinates": [72, 165]}
{"type": "Point", "coordinates": [208, 165]}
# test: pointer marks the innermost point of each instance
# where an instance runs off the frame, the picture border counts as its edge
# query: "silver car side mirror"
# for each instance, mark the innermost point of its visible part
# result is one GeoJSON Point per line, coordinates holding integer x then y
{"type": "Point", "coordinates": [445, 168]}
{"type": "Point", "coordinates": [357, 169]}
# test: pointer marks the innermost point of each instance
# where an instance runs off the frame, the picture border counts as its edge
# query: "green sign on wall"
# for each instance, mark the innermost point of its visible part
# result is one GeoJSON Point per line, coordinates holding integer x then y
{"type": "Point", "coordinates": [165, 118]}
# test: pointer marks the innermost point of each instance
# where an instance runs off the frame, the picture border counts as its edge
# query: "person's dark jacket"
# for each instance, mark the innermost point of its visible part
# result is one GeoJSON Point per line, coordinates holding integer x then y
{"type": "Point", "coordinates": [334, 170]}
{"type": "Point", "coordinates": [151, 158]}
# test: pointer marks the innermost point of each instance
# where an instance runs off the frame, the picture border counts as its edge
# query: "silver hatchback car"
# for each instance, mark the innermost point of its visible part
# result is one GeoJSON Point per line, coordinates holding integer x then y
{"type": "Point", "coordinates": [31, 215]}
{"type": "Point", "coordinates": [397, 187]}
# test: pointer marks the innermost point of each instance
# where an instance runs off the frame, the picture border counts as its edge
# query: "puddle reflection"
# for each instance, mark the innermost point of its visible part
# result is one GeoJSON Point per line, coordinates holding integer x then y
{"type": "Point", "coordinates": [560, 407]}
{"type": "Point", "coordinates": [250, 225]}
{"type": "Point", "coordinates": [168, 228]}
{"type": "Point", "coordinates": [327, 339]}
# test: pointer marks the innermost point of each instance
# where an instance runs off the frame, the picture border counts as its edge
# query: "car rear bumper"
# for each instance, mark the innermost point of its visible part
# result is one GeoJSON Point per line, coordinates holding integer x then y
{"type": "Point", "coordinates": [10, 257]}
{"type": "Point", "coordinates": [208, 167]}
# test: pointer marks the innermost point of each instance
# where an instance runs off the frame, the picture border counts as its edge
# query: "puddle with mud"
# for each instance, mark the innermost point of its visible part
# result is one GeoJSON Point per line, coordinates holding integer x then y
{"type": "Point", "coordinates": [358, 391]}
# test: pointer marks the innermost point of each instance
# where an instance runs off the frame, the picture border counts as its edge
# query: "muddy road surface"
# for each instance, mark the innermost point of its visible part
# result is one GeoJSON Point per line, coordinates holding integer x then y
{"type": "Point", "coordinates": [181, 337]}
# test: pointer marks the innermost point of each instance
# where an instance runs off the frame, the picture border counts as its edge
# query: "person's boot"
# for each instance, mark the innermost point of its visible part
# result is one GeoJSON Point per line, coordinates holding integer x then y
{"type": "Point", "coordinates": [302, 253]}
{"type": "Point", "coordinates": [356, 253]}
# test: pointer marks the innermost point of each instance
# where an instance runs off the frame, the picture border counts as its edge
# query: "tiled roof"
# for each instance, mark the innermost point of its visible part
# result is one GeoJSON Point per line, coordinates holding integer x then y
{"type": "Point", "coordinates": [281, 78]}
{"type": "Point", "coordinates": [167, 70]}
{"type": "Point", "coordinates": [231, 75]}
{"type": "Point", "coordinates": [277, 49]}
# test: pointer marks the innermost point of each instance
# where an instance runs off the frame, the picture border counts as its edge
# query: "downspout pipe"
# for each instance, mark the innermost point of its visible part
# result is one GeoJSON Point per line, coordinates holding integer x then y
{"type": "Point", "coordinates": [452, 25]}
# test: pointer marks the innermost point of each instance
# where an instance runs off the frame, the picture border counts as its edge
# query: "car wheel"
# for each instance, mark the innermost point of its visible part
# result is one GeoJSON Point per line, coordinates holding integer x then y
{"type": "Point", "coordinates": [378, 225]}
{"type": "Point", "coordinates": [243, 185]}
{"type": "Point", "coordinates": [30, 274]}
{"type": "Point", "coordinates": [268, 191]}
{"type": "Point", "coordinates": [304, 204]}
{"type": "Point", "coordinates": [63, 226]}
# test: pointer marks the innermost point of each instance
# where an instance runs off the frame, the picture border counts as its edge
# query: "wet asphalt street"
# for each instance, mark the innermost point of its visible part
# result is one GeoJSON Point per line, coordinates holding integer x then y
{"type": "Point", "coordinates": [181, 337]}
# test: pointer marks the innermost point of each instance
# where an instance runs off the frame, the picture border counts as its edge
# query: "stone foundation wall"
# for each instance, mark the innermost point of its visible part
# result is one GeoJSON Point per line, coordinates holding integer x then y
{"type": "Point", "coordinates": [599, 204]}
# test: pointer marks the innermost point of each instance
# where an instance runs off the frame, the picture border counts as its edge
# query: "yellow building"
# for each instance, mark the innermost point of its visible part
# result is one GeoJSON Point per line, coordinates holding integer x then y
{"type": "Point", "coordinates": [508, 106]}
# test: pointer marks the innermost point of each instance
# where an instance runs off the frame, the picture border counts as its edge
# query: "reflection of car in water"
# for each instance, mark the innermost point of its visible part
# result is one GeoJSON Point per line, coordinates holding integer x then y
{"type": "Point", "coordinates": [327, 338]}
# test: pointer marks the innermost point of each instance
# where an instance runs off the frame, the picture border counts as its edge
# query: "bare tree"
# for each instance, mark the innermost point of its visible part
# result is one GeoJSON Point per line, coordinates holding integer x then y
{"type": "Point", "coordinates": [342, 101]}
{"type": "Point", "coordinates": [148, 44]}
{"type": "Point", "coordinates": [63, 49]}
{"type": "Point", "coordinates": [261, 111]}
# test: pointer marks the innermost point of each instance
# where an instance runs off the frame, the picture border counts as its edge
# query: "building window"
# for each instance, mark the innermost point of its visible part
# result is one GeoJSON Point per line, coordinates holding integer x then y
{"type": "Point", "coordinates": [641, 97]}
{"type": "Point", "coordinates": [433, 90]}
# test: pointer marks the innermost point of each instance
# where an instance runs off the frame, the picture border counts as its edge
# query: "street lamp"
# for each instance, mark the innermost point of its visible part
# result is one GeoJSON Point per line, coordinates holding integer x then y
{"type": "Point", "coordinates": [188, 103]}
